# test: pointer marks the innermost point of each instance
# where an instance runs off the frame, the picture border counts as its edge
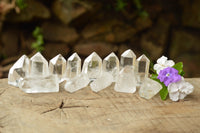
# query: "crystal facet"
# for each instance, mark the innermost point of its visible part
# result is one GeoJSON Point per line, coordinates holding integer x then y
{"type": "Point", "coordinates": [102, 82]}
{"type": "Point", "coordinates": [39, 84]}
{"type": "Point", "coordinates": [19, 70]}
{"type": "Point", "coordinates": [142, 68]}
{"type": "Point", "coordinates": [126, 81]}
{"type": "Point", "coordinates": [92, 66]}
{"type": "Point", "coordinates": [77, 83]}
{"type": "Point", "coordinates": [57, 66]}
{"type": "Point", "coordinates": [73, 66]}
{"type": "Point", "coordinates": [128, 58]}
{"type": "Point", "coordinates": [111, 65]}
{"type": "Point", "coordinates": [38, 66]}
{"type": "Point", "coordinates": [149, 88]}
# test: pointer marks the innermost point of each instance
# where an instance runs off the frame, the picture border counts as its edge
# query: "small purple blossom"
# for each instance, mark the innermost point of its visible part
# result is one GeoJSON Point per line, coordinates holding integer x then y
{"type": "Point", "coordinates": [169, 75]}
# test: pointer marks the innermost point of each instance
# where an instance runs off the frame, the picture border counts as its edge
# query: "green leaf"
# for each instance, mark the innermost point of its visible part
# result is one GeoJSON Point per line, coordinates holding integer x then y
{"type": "Point", "coordinates": [40, 40]}
{"type": "Point", "coordinates": [163, 93]}
{"type": "Point", "coordinates": [138, 4]}
{"type": "Point", "coordinates": [120, 5]}
{"type": "Point", "coordinates": [34, 45]}
{"type": "Point", "coordinates": [143, 14]}
{"type": "Point", "coordinates": [38, 44]}
{"type": "Point", "coordinates": [41, 48]}
{"type": "Point", "coordinates": [151, 67]}
{"type": "Point", "coordinates": [21, 4]}
{"type": "Point", "coordinates": [36, 32]}
{"type": "Point", "coordinates": [154, 76]}
{"type": "Point", "coordinates": [179, 66]}
{"type": "Point", "coordinates": [182, 73]}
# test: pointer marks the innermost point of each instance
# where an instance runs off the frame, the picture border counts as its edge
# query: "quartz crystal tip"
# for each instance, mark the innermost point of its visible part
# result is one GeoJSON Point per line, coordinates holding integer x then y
{"type": "Point", "coordinates": [38, 65]}
{"type": "Point", "coordinates": [19, 70]}
{"type": "Point", "coordinates": [142, 68]}
{"type": "Point", "coordinates": [111, 65]}
{"type": "Point", "coordinates": [143, 58]}
{"type": "Point", "coordinates": [73, 66]}
{"type": "Point", "coordinates": [92, 66]}
{"type": "Point", "coordinates": [57, 66]}
{"type": "Point", "coordinates": [128, 58]}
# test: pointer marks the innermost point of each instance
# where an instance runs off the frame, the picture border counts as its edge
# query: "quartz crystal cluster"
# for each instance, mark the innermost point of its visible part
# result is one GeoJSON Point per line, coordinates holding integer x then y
{"type": "Point", "coordinates": [36, 75]}
{"type": "Point", "coordinates": [32, 76]}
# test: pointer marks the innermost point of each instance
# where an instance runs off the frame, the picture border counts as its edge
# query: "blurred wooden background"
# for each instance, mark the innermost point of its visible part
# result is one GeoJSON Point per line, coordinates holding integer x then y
{"type": "Point", "coordinates": [153, 27]}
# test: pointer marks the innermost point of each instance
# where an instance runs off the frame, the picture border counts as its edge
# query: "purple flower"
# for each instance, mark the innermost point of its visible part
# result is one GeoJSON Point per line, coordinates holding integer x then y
{"type": "Point", "coordinates": [169, 75]}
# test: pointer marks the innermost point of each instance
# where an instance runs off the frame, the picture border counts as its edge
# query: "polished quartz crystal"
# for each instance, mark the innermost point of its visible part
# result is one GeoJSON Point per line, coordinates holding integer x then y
{"type": "Point", "coordinates": [102, 82]}
{"type": "Point", "coordinates": [126, 81]}
{"type": "Point", "coordinates": [39, 84]}
{"type": "Point", "coordinates": [38, 66]}
{"type": "Point", "coordinates": [128, 58]}
{"type": "Point", "coordinates": [142, 68]}
{"type": "Point", "coordinates": [77, 83]}
{"type": "Point", "coordinates": [19, 70]}
{"type": "Point", "coordinates": [57, 66]}
{"type": "Point", "coordinates": [73, 66]}
{"type": "Point", "coordinates": [92, 66]}
{"type": "Point", "coordinates": [149, 88]}
{"type": "Point", "coordinates": [111, 65]}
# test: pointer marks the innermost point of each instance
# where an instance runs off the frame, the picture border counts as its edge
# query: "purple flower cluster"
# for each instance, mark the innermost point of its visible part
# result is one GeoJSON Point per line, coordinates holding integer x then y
{"type": "Point", "coordinates": [169, 75]}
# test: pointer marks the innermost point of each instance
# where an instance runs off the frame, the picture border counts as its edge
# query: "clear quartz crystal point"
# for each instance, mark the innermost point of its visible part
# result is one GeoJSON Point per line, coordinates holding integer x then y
{"type": "Point", "coordinates": [111, 65]}
{"type": "Point", "coordinates": [73, 66]}
{"type": "Point", "coordinates": [128, 58]}
{"type": "Point", "coordinates": [149, 88]}
{"type": "Point", "coordinates": [92, 66]}
{"type": "Point", "coordinates": [77, 83]}
{"type": "Point", "coordinates": [39, 84]}
{"type": "Point", "coordinates": [142, 68]}
{"type": "Point", "coordinates": [38, 66]}
{"type": "Point", "coordinates": [19, 70]}
{"type": "Point", "coordinates": [126, 81]}
{"type": "Point", "coordinates": [102, 82]}
{"type": "Point", "coordinates": [57, 66]}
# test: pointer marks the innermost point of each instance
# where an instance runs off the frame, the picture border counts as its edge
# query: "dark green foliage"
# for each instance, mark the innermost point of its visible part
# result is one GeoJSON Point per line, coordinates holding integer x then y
{"type": "Point", "coordinates": [179, 66]}
{"type": "Point", "coordinates": [21, 4]}
{"type": "Point", "coordinates": [151, 67]}
{"type": "Point", "coordinates": [138, 4]}
{"type": "Point", "coordinates": [141, 11]}
{"type": "Point", "coordinates": [38, 44]}
{"type": "Point", "coordinates": [163, 93]}
{"type": "Point", "coordinates": [120, 5]}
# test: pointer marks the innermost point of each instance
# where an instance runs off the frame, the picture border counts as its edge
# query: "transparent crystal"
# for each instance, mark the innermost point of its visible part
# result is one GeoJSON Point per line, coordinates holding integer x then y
{"type": "Point", "coordinates": [39, 84]}
{"type": "Point", "coordinates": [77, 83]}
{"type": "Point", "coordinates": [73, 66]}
{"type": "Point", "coordinates": [38, 66]}
{"type": "Point", "coordinates": [126, 81]}
{"type": "Point", "coordinates": [128, 58]}
{"type": "Point", "coordinates": [102, 82]}
{"type": "Point", "coordinates": [57, 66]}
{"type": "Point", "coordinates": [149, 88]}
{"type": "Point", "coordinates": [92, 66]}
{"type": "Point", "coordinates": [142, 68]}
{"type": "Point", "coordinates": [111, 65]}
{"type": "Point", "coordinates": [19, 70]}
